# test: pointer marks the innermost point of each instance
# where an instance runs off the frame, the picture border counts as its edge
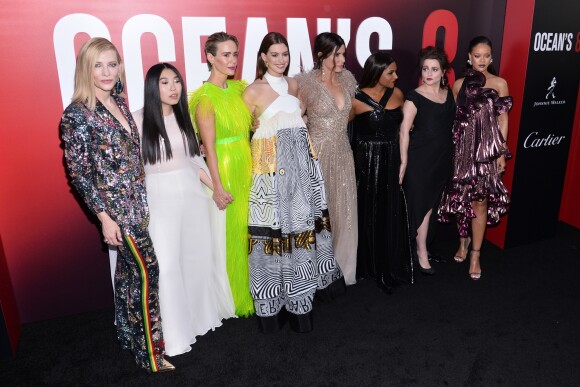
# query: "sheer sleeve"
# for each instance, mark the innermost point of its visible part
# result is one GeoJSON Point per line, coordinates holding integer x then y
{"type": "Point", "coordinates": [349, 83]}
{"type": "Point", "coordinates": [305, 87]}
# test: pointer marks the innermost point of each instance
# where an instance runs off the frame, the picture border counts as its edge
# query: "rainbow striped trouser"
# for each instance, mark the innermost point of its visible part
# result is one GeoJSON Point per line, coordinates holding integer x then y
{"type": "Point", "coordinates": [137, 299]}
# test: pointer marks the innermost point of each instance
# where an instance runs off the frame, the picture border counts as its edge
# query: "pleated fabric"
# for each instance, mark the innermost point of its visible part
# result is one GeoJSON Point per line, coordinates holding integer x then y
{"type": "Point", "coordinates": [478, 144]}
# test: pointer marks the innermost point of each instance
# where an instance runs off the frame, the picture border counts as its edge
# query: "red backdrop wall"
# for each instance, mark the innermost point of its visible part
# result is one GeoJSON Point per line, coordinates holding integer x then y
{"type": "Point", "coordinates": [516, 42]}
{"type": "Point", "coordinates": [570, 207]}
{"type": "Point", "coordinates": [53, 249]}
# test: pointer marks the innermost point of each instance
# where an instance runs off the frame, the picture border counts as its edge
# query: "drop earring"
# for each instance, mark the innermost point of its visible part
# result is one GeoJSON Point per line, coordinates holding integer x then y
{"type": "Point", "coordinates": [469, 62]}
{"type": "Point", "coordinates": [491, 60]}
{"type": "Point", "coordinates": [118, 86]}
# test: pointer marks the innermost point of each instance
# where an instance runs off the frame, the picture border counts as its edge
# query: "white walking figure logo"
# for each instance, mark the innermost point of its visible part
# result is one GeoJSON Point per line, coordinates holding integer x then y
{"type": "Point", "coordinates": [551, 88]}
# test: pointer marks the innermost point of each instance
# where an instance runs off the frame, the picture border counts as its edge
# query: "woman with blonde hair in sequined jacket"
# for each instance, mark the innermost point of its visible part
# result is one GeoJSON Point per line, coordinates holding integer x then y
{"type": "Point", "coordinates": [104, 164]}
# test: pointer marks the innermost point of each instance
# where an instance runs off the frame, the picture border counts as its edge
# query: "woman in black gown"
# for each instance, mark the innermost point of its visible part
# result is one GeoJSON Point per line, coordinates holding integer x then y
{"type": "Point", "coordinates": [384, 249]}
{"type": "Point", "coordinates": [426, 146]}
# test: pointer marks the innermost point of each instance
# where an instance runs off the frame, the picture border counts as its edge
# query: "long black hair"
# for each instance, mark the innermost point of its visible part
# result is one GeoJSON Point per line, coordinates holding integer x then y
{"type": "Point", "coordinates": [482, 40]}
{"type": "Point", "coordinates": [375, 65]}
{"type": "Point", "coordinates": [153, 123]}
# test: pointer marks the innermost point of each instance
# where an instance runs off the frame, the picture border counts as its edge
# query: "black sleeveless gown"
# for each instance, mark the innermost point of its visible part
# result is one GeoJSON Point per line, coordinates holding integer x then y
{"type": "Point", "coordinates": [429, 165]}
{"type": "Point", "coordinates": [384, 248]}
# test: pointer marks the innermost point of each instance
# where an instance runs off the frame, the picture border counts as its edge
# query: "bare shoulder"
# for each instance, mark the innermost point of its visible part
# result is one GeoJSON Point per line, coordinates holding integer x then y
{"type": "Point", "coordinates": [256, 87]}
{"type": "Point", "coordinates": [397, 93]}
{"type": "Point", "coordinates": [496, 80]}
{"type": "Point", "coordinates": [499, 84]}
{"type": "Point", "coordinates": [398, 96]}
{"type": "Point", "coordinates": [457, 85]}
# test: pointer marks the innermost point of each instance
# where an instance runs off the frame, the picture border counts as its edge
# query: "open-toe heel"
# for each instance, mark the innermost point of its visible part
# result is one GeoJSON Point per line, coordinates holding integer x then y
{"type": "Point", "coordinates": [464, 248]}
{"type": "Point", "coordinates": [474, 275]}
{"type": "Point", "coordinates": [165, 367]}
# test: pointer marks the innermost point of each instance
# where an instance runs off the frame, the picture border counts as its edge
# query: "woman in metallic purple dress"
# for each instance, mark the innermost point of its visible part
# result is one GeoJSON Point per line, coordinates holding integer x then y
{"type": "Point", "coordinates": [477, 196]}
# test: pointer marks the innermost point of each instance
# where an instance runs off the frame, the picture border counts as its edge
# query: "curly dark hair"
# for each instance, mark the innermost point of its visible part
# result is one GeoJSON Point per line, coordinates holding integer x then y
{"type": "Point", "coordinates": [439, 55]}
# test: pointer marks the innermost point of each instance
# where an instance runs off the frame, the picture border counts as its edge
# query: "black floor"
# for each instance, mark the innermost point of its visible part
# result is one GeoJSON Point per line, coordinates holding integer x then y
{"type": "Point", "coordinates": [517, 326]}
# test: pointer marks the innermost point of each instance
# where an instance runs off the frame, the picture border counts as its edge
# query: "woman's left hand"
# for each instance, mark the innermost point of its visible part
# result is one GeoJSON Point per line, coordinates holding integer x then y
{"type": "Point", "coordinates": [501, 164]}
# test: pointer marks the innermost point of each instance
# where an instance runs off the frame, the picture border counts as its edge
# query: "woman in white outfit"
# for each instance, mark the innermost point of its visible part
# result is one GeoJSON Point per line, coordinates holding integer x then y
{"type": "Point", "coordinates": [186, 227]}
{"type": "Point", "coordinates": [290, 252]}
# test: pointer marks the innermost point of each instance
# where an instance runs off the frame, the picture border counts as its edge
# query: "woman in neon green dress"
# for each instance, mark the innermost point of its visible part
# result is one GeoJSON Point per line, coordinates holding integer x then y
{"type": "Point", "coordinates": [224, 122]}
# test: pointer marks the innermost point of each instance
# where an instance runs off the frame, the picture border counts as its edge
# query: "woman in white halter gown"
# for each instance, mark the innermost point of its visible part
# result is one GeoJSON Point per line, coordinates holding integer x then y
{"type": "Point", "coordinates": [290, 241]}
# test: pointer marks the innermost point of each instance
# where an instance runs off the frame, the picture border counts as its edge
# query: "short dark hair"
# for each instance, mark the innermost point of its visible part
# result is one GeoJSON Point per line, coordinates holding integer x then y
{"type": "Point", "coordinates": [325, 44]}
{"type": "Point", "coordinates": [153, 123]}
{"type": "Point", "coordinates": [214, 39]}
{"type": "Point", "coordinates": [374, 67]}
{"type": "Point", "coordinates": [269, 40]}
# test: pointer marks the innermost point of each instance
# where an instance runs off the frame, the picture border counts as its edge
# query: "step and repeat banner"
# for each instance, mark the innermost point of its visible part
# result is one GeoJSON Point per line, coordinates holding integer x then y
{"type": "Point", "coordinates": [548, 109]}
{"type": "Point", "coordinates": [57, 262]}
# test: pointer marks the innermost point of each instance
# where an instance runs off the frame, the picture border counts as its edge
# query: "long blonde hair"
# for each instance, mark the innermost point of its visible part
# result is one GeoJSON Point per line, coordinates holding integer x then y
{"type": "Point", "coordinates": [88, 54]}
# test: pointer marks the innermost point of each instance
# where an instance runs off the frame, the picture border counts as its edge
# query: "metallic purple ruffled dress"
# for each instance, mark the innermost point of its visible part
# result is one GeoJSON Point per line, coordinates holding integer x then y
{"type": "Point", "coordinates": [478, 144]}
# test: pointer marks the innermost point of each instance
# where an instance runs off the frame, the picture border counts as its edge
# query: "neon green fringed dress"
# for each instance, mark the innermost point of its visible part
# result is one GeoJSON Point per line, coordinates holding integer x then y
{"type": "Point", "coordinates": [232, 141]}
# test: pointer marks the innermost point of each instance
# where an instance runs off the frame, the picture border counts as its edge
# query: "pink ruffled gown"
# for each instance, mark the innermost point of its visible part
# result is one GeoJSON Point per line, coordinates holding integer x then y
{"type": "Point", "coordinates": [478, 144]}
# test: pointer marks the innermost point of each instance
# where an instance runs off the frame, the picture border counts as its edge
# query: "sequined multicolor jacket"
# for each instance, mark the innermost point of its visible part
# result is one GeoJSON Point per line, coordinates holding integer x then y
{"type": "Point", "coordinates": [104, 162]}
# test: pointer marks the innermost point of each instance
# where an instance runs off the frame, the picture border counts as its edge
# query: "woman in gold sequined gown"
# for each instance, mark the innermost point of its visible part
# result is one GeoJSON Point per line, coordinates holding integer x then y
{"type": "Point", "coordinates": [327, 93]}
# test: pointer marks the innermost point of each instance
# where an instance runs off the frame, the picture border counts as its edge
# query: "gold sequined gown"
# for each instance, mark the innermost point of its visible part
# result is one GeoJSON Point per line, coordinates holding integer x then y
{"type": "Point", "coordinates": [327, 126]}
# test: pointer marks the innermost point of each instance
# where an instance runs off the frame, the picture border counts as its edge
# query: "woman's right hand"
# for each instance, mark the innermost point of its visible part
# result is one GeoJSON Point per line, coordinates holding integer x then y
{"type": "Point", "coordinates": [221, 197]}
{"type": "Point", "coordinates": [111, 231]}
